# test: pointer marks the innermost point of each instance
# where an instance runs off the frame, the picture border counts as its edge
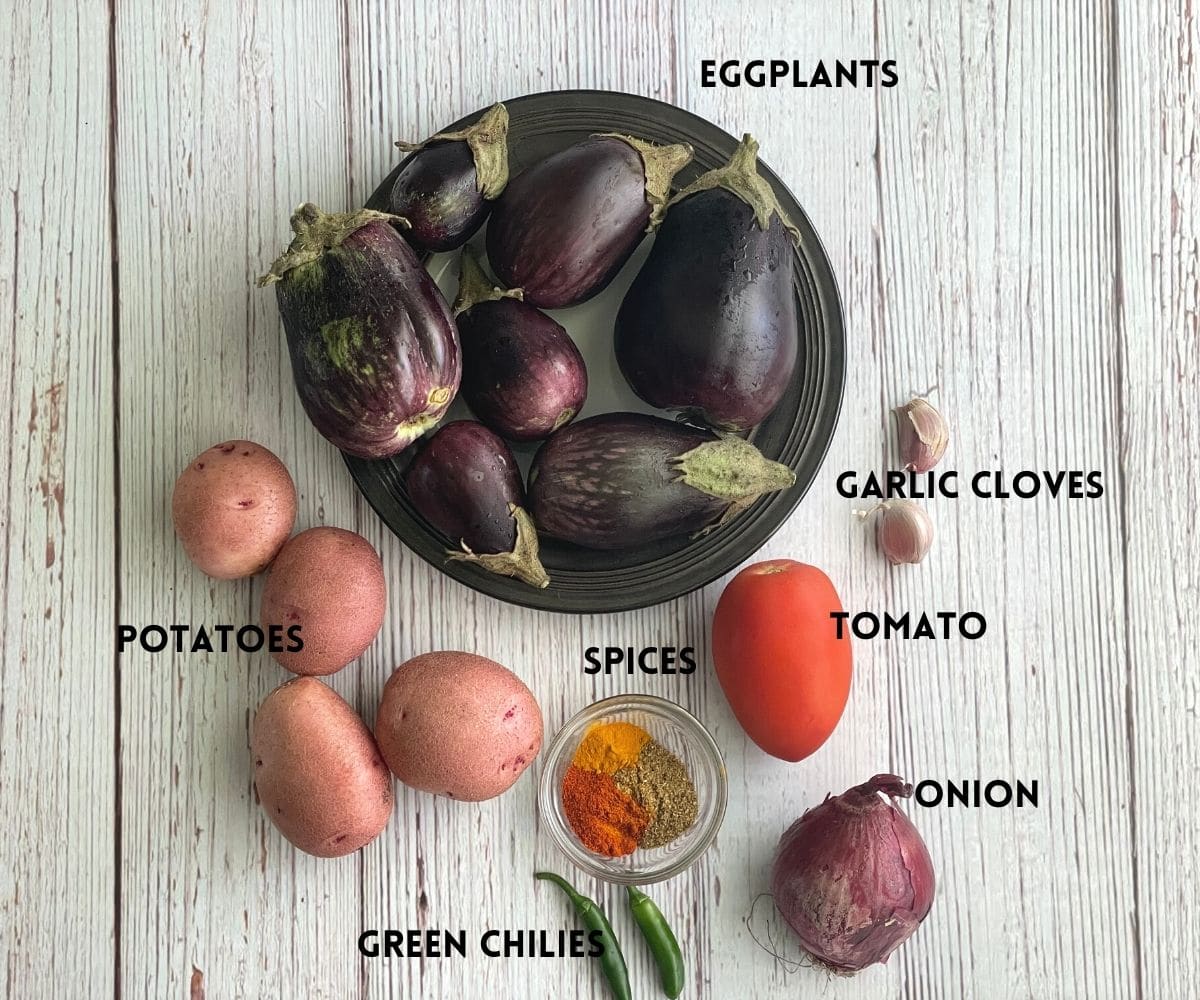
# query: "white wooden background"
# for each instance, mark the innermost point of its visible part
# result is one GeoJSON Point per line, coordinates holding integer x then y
{"type": "Point", "coordinates": [1015, 223]}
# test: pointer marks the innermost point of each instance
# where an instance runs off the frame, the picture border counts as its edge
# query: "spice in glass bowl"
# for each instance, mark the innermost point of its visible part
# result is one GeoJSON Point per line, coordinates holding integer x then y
{"type": "Point", "coordinates": [659, 782]}
{"type": "Point", "coordinates": [624, 791]}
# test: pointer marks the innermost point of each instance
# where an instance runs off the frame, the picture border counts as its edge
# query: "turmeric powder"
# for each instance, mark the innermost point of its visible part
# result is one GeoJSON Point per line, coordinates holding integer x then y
{"type": "Point", "coordinates": [609, 746]}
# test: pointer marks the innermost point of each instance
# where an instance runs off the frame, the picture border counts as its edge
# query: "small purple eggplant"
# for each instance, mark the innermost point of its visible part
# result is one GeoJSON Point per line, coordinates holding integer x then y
{"type": "Point", "coordinates": [621, 480]}
{"type": "Point", "coordinates": [446, 187]}
{"type": "Point", "coordinates": [709, 324]}
{"type": "Point", "coordinates": [465, 482]}
{"type": "Point", "coordinates": [566, 224]}
{"type": "Point", "coordinates": [374, 349]}
{"type": "Point", "coordinates": [523, 376]}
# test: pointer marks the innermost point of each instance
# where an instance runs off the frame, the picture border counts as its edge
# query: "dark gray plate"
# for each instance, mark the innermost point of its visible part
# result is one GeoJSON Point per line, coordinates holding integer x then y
{"type": "Point", "coordinates": [798, 432]}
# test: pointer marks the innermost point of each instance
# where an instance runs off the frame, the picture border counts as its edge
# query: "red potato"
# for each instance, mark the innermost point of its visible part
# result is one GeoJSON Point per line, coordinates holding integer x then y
{"type": "Point", "coordinates": [458, 724]}
{"type": "Point", "coordinates": [319, 775]}
{"type": "Point", "coordinates": [234, 507]}
{"type": "Point", "coordinates": [329, 581]}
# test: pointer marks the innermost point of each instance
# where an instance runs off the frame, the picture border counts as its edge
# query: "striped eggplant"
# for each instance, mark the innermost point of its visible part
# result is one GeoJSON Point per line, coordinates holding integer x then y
{"type": "Point", "coordinates": [621, 480]}
{"type": "Point", "coordinates": [374, 349]}
{"type": "Point", "coordinates": [465, 482]}
{"type": "Point", "coordinates": [523, 376]}
{"type": "Point", "coordinates": [708, 326]}
{"type": "Point", "coordinates": [446, 186]}
{"type": "Point", "coordinates": [565, 225]}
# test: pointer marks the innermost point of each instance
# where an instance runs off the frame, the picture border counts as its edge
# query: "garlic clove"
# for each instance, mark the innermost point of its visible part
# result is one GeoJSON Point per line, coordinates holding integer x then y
{"type": "Point", "coordinates": [905, 531]}
{"type": "Point", "coordinates": [922, 432]}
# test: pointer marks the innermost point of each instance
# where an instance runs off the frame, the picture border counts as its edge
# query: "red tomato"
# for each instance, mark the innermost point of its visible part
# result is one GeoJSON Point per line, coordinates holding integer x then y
{"type": "Point", "coordinates": [778, 658]}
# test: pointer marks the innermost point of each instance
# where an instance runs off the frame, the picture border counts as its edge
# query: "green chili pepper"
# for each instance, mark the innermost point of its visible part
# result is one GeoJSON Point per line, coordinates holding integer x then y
{"type": "Point", "coordinates": [661, 939]}
{"type": "Point", "coordinates": [612, 961]}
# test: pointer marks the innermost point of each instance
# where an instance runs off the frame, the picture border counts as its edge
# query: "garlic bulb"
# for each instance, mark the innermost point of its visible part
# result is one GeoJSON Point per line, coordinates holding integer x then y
{"type": "Point", "coordinates": [922, 433]}
{"type": "Point", "coordinates": [905, 531]}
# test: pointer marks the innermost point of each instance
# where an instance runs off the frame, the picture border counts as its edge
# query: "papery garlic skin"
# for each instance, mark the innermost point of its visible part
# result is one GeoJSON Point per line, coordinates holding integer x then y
{"type": "Point", "coordinates": [905, 531]}
{"type": "Point", "coordinates": [922, 434]}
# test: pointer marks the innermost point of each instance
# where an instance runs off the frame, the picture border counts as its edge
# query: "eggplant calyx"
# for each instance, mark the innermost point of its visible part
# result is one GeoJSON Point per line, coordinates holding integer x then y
{"type": "Point", "coordinates": [522, 563]}
{"type": "Point", "coordinates": [660, 165]}
{"type": "Point", "coordinates": [474, 287]}
{"type": "Point", "coordinates": [318, 231]}
{"type": "Point", "coordinates": [732, 469]}
{"type": "Point", "coordinates": [488, 140]}
{"type": "Point", "coordinates": [740, 177]}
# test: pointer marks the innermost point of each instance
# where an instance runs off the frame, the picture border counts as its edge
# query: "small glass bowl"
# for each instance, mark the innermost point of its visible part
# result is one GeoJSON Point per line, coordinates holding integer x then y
{"type": "Point", "coordinates": [678, 731]}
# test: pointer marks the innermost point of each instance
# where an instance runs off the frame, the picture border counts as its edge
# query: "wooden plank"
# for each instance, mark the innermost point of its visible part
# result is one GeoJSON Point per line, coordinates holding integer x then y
{"type": "Point", "coordinates": [57, 767]}
{"type": "Point", "coordinates": [436, 868]}
{"type": "Point", "coordinates": [1155, 425]}
{"type": "Point", "coordinates": [821, 145]}
{"type": "Point", "coordinates": [230, 115]}
{"type": "Point", "coordinates": [984, 278]}
{"type": "Point", "coordinates": [997, 243]}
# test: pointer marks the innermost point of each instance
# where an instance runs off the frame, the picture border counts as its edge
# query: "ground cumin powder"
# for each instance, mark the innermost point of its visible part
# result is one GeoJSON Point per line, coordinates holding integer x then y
{"type": "Point", "coordinates": [659, 782]}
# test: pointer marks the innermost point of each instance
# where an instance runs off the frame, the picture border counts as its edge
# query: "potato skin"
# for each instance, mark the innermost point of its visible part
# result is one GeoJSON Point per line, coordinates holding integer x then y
{"type": "Point", "coordinates": [458, 725]}
{"type": "Point", "coordinates": [329, 581]}
{"type": "Point", "coordinates": [319, 775]}
{"type": "Point", "coordinates": [234, 507]}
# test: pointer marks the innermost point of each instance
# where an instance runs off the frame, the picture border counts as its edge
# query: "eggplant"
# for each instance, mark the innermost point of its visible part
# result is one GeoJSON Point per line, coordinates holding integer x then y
{"type": "Point", "coordinates": [374, 349]}
{"type": "Point", "coordinates": [708, 326]}
{"type": "Point", "coordinates": [523, 376]}
{"type": "Point", "coordinates": [566, 224]}
{"type": "Point", "coordinates": [621, 480]}
{"type": "Point", "coordinates": [465, 482]}
{"type": "Point", "coordinates": [445, 188]}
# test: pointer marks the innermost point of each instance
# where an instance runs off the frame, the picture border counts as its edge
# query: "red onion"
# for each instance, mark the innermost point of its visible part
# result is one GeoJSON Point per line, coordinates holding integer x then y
{"type": "Point", "coordinates": [852, 877]}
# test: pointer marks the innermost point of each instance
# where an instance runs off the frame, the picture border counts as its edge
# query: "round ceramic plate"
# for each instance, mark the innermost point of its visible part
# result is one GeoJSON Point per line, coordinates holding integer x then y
{"type": "Point", "coordinates": [797, 432]}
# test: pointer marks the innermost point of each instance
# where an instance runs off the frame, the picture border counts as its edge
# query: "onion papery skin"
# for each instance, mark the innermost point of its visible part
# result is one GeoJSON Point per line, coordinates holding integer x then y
{"type": "Point", "coordinates": [853, 878]}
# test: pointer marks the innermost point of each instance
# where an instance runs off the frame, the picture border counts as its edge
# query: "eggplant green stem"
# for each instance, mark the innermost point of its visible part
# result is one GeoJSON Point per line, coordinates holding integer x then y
{"type": "Point", "coordinates": [488, 140]}
{"type": "Point", "coordinates": [473, 284]}
{"type": "Point", "coordinates": [522, 562]}
{"type": "Point", "coordinates": [732, 469]}
{"type": "Point", "coordinates": [740, 177]}
{"type": "Point", "coordinates": [660, 164]}
{"type": "Point", "coordinates": [317, 231]}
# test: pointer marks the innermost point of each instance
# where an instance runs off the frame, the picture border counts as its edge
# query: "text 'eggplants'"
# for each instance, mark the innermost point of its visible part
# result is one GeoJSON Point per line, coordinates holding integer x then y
{"type": "Point", "coordinates": [709, 324]}
{"type": "Point", "coordinates": [374, 349]}
{"type": "Point", "coordinates": [624, 479]}
{"type": "Point", "coordinates": [523, 376]}
{"type": "Point", "coordinates": [446, 187]}
{"type": "Point", "coordinates": [466, 483]}
{"type": "Point", "coordinates": [566, 224]}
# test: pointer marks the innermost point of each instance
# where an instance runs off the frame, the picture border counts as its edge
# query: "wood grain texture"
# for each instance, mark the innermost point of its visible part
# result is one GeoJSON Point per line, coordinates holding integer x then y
{"type": "Point", "coordinates": [1015, 224]}
{"type": "Point", "coordinates": [57, 738]}
{"type": "Point", "coordinates": [998, 244]}
{"type": "Point", "coordinates": [1156, 128]}
{"type": "Point", "coordinates": [231, 115]}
